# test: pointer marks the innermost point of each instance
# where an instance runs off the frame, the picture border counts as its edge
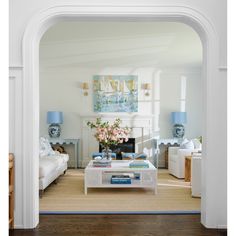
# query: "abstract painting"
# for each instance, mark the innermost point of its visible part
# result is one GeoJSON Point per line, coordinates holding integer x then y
{"type": "Point", "coordinates": [115, 93]}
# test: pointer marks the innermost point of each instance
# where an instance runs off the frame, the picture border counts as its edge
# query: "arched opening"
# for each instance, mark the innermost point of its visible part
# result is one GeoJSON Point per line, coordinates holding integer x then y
{"type": "Point", "coordinates": [165, 55]}
{"type": "Point", "coordinates": [31, 40]}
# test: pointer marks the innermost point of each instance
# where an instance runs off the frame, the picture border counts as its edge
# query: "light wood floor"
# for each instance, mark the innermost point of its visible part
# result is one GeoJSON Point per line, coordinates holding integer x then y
{"type": "Point", "coordinates": [68, 195]}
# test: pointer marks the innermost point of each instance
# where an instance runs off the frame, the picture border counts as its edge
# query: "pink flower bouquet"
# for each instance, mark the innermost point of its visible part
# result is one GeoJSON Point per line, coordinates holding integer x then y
{"type": "Point", "coordinates": [109, 134]}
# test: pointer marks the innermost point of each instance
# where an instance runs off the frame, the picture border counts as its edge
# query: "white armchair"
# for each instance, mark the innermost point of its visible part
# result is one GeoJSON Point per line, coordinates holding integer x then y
{"type": "Point", "coordinates": [196, 175]}
{"type": "Point", "coordinates": [176, 160]}
{"type": "Point", "coordinates": [176, 156]}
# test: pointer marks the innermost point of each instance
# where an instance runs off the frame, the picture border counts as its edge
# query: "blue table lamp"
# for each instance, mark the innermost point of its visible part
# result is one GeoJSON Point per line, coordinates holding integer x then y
{"type": "Point", "coordinates": [178, 119]}
{"type": "Point", "coordinates": [54, 118]}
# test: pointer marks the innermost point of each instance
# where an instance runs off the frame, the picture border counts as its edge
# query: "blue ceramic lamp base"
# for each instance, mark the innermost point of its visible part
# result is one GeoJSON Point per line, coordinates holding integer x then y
{"type": "Point", "coordinates": [54, 130]}
{"type": "Point", "coordinates": [178, 131]}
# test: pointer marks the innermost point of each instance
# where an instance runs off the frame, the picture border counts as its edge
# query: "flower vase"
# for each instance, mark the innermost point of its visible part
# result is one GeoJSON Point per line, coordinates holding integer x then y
{"type": "Point", "coordinates": [106, 154]}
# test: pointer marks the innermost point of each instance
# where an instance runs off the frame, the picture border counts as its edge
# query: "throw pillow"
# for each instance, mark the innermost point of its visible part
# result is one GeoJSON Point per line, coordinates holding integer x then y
{"type": "Point", "coordinates": [189, 145]}
{"type": "Point", "coordinates": [45, 148]}
{"type": "Point", "coordinates": [130, 155]}
{"type": "Point", "coordinates": [183, 143]}
{"type": "Point", "coordinates": [197, 144]}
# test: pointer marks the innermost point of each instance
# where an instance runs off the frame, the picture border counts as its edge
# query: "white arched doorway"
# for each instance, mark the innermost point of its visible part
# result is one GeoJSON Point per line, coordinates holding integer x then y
{"type": "Point", "coordinates": [38, 26]}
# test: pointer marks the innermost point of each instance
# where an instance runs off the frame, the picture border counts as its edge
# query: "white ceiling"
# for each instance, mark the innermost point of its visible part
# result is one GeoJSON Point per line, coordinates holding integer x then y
{"type": "Point", "coordinates": [136, 44]}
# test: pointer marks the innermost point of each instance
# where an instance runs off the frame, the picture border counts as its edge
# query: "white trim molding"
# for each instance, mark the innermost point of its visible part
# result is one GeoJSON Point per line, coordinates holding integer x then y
{"type": "Point", "coordinates": [223, 68]}
{"type": "Point", "coordinates": [44, 20]}
{"type": "Point", "coordinates": [16, 67]}
{"type": "Point", "coordinates": [15, 140]}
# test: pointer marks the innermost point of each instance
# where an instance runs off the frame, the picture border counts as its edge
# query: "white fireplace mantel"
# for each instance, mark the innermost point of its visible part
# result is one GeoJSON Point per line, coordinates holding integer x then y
{"type": "Point", "coordinates": [141, 130]}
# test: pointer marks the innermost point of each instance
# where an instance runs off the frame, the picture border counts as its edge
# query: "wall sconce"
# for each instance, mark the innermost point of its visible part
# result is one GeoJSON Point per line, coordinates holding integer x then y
{"type": "Point", "coordinates": [146, 88]}
{"type": "Point", "coordinates": [85, 88]}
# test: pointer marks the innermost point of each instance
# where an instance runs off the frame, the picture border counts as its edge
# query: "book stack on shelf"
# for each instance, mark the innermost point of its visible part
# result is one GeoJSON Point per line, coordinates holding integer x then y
{"type": "Point", "coordinates": [138, 164]}
{"type": "Point", "coordinates": [120, 179]}
{"type": "Point", "coordinates": [102, 163]}
{"type": "Point", "coordinates": [133, 175]}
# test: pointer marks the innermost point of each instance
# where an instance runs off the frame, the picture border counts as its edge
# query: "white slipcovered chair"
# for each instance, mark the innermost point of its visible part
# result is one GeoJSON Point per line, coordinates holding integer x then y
{"type": "Point", "coordinates": [176, 156]}
{"type": "Point", "coordinates": [196, 175]}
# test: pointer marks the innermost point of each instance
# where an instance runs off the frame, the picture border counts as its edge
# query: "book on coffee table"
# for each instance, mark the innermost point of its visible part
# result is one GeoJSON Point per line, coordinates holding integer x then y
{"type": "Point", "coordinates": [138, 164]}
{"type": "Point", "coordinates": [120, 179]}
{"type": "Point", "coordinates": [101, 163]}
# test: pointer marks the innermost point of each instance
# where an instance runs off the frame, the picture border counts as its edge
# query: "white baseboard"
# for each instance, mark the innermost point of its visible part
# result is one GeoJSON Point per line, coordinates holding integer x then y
{"type": "Point", "coordinates": [221, 226]}
{"type": "Point", "coordinates": [18, 226]}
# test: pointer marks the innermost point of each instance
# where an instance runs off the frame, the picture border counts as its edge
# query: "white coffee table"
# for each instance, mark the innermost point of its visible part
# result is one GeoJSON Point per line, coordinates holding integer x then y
{"type": "Point", "coordinates": [100, 177]}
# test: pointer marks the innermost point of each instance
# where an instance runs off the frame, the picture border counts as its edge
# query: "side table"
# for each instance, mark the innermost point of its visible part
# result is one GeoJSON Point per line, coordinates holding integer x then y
{"type": "Point", "coordinates": [188, 160]}
{"type": "Point", "coordinates": [11, 190]}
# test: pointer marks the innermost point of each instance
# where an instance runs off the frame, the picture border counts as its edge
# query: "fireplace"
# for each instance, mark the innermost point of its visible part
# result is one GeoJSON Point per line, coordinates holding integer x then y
{"type": "Point", "coordinates": [128, 147]}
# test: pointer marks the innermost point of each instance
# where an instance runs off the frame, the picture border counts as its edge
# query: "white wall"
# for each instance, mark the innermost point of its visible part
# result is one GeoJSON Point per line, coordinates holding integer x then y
{"type": "Point", "coordinates": [170, 100]}
{"type": "Point", "coordinates": [215, 205]}
{"type": "Point", "coordinates": [60, 89]}
{"type": "Point", "coordinates": [68, 95]}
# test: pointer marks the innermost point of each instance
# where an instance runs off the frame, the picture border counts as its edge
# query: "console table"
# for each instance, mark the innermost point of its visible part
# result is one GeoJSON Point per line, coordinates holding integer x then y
{"type": "Point", "coordinates": [74, 142]}
{"type": "Point", "coordinates": [156, 149]}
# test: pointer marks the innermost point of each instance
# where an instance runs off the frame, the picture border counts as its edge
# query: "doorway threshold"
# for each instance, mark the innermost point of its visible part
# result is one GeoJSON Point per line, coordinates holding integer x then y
{"type": "Point", "coordinates": [120, 212]}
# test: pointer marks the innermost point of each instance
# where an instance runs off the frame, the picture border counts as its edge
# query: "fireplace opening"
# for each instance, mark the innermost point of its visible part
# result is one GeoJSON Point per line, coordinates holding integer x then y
{"type": "Point", "coordinates": [126, 147]}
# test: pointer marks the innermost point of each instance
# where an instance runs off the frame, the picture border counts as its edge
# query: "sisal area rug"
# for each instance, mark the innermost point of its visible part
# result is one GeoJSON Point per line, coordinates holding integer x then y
{"type": "Point", "coordinates": [68, 195]}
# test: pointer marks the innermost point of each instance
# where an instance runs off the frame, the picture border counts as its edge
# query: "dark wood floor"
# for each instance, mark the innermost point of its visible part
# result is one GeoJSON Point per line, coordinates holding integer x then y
{"type": "Point", "coordinates": [119, 225]}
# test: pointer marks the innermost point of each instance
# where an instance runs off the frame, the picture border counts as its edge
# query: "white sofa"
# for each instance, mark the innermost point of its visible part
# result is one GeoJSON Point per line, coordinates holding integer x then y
{"type": "Point", "coordinates": [176, 158]}
{"type": "Point", "coordinates": [52, 164]}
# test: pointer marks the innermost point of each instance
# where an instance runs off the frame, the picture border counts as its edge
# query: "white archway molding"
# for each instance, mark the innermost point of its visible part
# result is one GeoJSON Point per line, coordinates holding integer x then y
{"type": "Point", "coordinates": [44, 20]}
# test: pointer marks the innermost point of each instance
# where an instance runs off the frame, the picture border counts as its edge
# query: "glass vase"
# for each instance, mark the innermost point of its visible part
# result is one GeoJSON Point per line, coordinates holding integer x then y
{"type": "Point", "coordinates": [106, 154]}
